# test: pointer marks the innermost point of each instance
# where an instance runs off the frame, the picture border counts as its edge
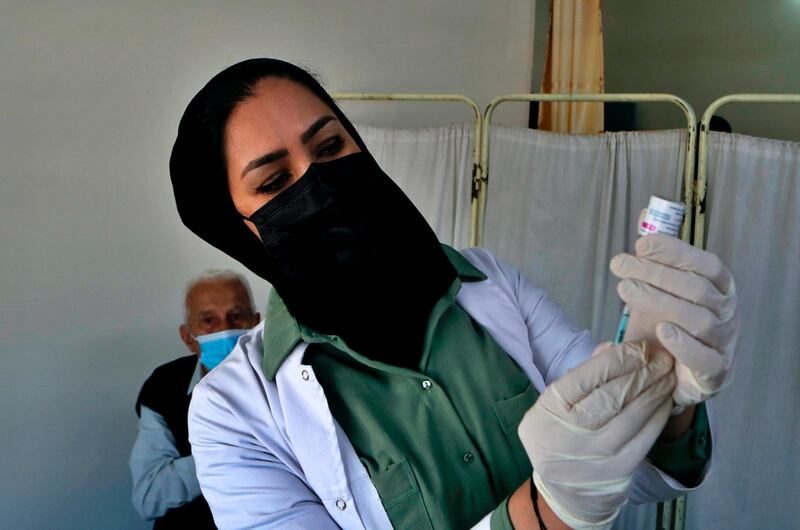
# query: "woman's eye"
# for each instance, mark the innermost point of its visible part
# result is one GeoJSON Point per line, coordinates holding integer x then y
{"type": "Point", "coordinates": [274, 184]}
{"type": "Point", "coordinates": [330, 147]}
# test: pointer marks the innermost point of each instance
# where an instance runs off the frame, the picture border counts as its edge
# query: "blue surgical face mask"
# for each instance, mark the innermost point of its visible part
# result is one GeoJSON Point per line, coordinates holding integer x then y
{"type": "Point", "coordinates": [214, 347]}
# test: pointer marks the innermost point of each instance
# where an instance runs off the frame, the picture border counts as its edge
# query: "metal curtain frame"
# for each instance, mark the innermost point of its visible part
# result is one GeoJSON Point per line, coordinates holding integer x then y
{"type": "Point", "coordinates": [688, 111]}
{"type": "Point", "coordinates": [669, 515]}
{"type": "Point", "coordinates": [476, 144]}
{"type": "Point", "coordinates": [702, 162]}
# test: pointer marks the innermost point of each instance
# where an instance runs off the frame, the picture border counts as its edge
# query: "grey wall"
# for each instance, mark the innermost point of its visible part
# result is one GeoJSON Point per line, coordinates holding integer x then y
{"type": "Point", "coordinates": [93, 257]}
{"type": "Point", "coordinates": [703, 50]}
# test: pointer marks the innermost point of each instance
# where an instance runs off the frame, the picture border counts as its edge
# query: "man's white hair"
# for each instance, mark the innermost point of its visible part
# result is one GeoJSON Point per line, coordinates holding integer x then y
{"type": "Point", "coordinates": [218, 275]}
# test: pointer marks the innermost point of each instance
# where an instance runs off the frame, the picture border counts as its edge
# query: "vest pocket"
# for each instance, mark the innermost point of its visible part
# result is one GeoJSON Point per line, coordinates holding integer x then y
{"type": "Point", "coordinates": [509, 413]}
{"type": "Point", "coordinates": [401, 498]}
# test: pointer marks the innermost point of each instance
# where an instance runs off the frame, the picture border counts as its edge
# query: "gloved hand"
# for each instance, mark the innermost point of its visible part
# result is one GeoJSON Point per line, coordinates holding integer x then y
{"type": "Point", "coordinates": [685, 299]}
{"type": "Point", "coordinates": [588, 431]}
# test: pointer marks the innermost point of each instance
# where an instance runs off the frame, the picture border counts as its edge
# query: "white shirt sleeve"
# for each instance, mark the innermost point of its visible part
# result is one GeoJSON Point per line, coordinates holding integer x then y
{"type": "Point", "coordinates": [162, 479]}
{"type": "Point", "coordinates": [556, 342]}
{"type": "Point", "coordinates": [559, 345]}
{"type": "Point", "coordinates": [246, 485]}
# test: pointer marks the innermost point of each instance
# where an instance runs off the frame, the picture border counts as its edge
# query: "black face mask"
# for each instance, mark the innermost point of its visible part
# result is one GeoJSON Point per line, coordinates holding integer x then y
{"type": "Point", "coordinates": [352, 256]}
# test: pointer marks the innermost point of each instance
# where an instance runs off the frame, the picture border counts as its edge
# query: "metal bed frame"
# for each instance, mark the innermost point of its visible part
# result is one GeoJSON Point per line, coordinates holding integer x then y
{"type": "Point", "coordinates": [702, 162]}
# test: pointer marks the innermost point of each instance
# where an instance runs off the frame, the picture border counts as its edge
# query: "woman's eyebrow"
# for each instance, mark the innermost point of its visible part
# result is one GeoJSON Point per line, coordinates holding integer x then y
{"type": "Point", "coordinates": [264, 160]}
{"type": "Point", "coordinates": [280, 153]}
{"type": "Point", "coordinates": [315, 127]}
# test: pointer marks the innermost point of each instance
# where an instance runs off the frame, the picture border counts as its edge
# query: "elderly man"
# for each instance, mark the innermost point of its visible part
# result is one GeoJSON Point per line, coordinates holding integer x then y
{"type": "Point", "coordinates": [219, 309]}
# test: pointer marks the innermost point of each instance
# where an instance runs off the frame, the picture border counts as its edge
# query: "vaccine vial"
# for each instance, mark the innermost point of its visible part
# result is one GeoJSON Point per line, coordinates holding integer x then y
{"type": "Point", "coordinates": [662, 217]}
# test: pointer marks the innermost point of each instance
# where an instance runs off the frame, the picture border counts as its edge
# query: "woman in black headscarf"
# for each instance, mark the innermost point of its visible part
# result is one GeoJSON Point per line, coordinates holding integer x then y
{"type": "Point", "coordinates": [328, 246]}
{"type": "Point", "coordinates": [426, 358]}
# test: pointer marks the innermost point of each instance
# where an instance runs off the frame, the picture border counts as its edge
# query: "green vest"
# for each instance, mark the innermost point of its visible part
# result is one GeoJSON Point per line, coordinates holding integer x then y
{"type": "Point", "coordinates": [440, 442]}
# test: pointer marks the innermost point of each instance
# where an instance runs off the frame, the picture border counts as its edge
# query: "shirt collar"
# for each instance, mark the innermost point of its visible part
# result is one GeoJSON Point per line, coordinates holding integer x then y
{"type": "Point", "coordinates": [196, 376]}
{"type": "Point", "coordinates": [282, 332]}
{"type": "Point", "coordinates": [467, 272]}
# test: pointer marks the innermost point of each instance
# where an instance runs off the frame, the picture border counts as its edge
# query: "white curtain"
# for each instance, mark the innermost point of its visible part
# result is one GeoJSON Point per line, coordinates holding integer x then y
{"type": "Point", "coordinates": [753, 219]}
{"type": "Point", "coordinates": [433, 166]}
{"type": "Point", "coordinates": [561, 206]}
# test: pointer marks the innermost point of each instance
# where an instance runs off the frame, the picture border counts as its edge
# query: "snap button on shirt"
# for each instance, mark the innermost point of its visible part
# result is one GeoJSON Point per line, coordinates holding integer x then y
{"type": "Point", "coordinates": [341, 504]}
{"type": "Point", "coordinates": [304, 375]}
{"type": "Point", "coordinates": [468, 457]}
{"type": "Point", "coordinates": [426, 384]}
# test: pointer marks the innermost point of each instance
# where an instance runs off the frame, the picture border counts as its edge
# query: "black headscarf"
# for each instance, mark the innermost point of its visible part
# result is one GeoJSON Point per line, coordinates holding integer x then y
{"type": "Point", "coordinates": [385, 315]}
{"type": "Point", "coordinates": [198, 167]}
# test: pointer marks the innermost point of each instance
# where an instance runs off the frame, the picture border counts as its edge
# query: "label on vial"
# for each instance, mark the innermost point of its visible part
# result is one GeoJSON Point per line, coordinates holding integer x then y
{"type": "Point", "coordinates": [662, 217]}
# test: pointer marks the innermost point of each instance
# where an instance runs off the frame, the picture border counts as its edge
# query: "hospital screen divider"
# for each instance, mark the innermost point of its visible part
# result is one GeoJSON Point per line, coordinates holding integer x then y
{"type": "Point", "coordinates": [669, 515]}
{"type": "Point", "coordinates": [724, 235]}
{"type": "Point", "coordinates": [688, 111]}
{"type": "Point", "coordinates": [702, 162]}
{"type": "Point", "coordinates": [672, 512]}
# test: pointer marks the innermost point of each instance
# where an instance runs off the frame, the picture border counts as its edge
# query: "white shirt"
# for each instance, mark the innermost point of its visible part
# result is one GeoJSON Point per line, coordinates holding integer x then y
{"type": "Point", "coordinates": [162, 478]}
{"type": "Point", "coordinates": [269, 454]}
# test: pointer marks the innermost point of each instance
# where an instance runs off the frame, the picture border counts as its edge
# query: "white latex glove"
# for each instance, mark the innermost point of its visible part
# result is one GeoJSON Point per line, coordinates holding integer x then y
{"type": "Point", "coordinates": [685, 299]}
{"type": "Point", "coordinates": [588, 431]}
